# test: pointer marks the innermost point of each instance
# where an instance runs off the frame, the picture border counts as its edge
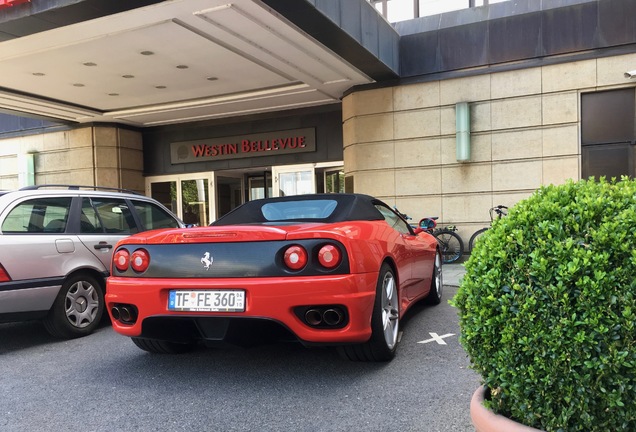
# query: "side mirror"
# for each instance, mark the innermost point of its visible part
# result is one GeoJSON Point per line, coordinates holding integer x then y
{"type": "Point", "coordinates": [427, 223]}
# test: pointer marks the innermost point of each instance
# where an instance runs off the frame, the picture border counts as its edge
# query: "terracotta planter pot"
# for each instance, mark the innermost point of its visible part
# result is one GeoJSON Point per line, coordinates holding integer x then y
{"type": "Point", "coordinates": [485, 420]}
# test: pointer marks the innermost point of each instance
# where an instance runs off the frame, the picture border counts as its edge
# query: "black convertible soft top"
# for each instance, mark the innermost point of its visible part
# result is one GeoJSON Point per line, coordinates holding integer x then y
{"type": "Point", "coordinates": [327, 208]}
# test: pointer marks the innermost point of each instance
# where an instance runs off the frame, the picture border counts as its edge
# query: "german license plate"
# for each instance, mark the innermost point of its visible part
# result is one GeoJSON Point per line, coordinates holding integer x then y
{"type": "Point", "coordinates": [207, 300]}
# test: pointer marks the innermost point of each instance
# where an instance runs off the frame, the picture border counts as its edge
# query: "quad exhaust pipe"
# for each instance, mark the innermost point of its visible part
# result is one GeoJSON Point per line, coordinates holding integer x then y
{"type": "Point", "coordinates": [333, 317]}
{"type": "Point", "coordinates": [125, 313]}
{"type": "Point", "coordinates": [325, 316]}
{"type": "Point", "coordinates": [313, 317]}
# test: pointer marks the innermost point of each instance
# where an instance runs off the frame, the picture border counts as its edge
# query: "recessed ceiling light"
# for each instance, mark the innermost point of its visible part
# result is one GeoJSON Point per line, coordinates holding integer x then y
{"type": "Point", "coordinates": [147, 53]}
{"type": "Point", "coordinates": [212, 78]}
{"type": "Point", "coordinates": [89, 64]}
{"type": "Point", "coordinates": [38, 74]}
{"type": "Point", "coordinates": [182, 66]}
{"type": "Point", "coordinates": [127, 76]}
{"type": "Point", "coordinates": [78, 85]}
{"type": "Point", "coordinates": [160, 87]}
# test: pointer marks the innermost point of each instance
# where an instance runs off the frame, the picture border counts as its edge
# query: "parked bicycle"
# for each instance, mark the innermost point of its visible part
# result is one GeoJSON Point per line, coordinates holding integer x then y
{"type": "Point", "coordinates": [500, 211]}
{"type": "Point", "coordinates": [451, 244]}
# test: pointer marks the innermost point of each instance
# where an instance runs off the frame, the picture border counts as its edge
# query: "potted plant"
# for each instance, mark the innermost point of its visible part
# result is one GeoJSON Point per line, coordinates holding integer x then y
{"type": "Point", "coordinates": [548, 308]}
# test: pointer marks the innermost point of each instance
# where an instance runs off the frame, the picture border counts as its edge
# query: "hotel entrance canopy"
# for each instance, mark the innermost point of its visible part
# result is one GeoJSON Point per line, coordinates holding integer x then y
{"type": "Point", "coordinates": [149, 63]}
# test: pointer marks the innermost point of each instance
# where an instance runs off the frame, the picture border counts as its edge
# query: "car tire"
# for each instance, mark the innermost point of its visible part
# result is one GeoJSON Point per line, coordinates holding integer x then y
{"type": "Point", "coordinates": [77, 309]}
{"type": "Point", "coordinates": [157, 346]}
{"type": "Point", "coordinates": [434, 296]}
{"type": "Point", "coordinates": [385, 322]}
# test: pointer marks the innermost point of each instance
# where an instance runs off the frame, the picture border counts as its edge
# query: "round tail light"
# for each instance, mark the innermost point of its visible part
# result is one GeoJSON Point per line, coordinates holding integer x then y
{"type": "Point", "coordinates": [140, 260]}
{"type": "Point", "coordinates": [121, 259]}
{"type": "Point", "coordinates": [329, 256]}
{"type": "Point", "coordinates": [295, 257]}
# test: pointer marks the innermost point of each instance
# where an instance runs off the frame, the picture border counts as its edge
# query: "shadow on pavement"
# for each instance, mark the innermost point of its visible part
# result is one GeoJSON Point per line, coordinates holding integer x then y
{"type": "Point", "coordinates": [15, 336]}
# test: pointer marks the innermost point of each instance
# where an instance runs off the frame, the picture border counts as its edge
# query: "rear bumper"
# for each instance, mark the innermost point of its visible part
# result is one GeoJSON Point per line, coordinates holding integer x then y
{"type": "Point", "coordinates": [271, 299]}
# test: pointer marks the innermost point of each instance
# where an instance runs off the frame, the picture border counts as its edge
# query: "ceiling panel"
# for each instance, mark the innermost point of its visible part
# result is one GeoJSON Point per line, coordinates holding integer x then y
{"type": "Point", "coordinates": [181, 60]}
{"type": "Point", "coordinates": [150, 65]}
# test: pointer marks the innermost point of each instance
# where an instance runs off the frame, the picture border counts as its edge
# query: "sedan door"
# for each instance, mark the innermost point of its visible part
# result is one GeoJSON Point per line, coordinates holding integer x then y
{"type": "Point", "coordinates": [103, 221]}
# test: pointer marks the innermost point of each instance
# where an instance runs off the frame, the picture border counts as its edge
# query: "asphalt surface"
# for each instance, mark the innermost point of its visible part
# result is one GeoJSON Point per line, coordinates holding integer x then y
{"type": "Point", "coordinates": [104, 383]}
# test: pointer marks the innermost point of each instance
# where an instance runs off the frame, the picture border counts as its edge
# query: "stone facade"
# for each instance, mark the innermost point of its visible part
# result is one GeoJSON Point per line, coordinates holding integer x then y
{"type": "Point", "coordinates": [399, 142]}
{"type": "Point", "coordinates": [522, 66]}
{"type": "Point", "coordinates": [92, 156]}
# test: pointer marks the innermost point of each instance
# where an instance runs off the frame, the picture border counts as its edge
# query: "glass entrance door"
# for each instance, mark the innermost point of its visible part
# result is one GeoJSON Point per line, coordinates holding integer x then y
{"type": "Point", "coordinates": [334, 181]}
{"type": "Point", "coordinates": [259, 186]}
{"type": "Point", "coordinates": [187, 196]}
{"type": "Point", "coordinates": [229, 192]}
{"type": "Point", "coordinates": [195, 202]}
{"type": "Point", "coordinates": [294, 180]}
{"type": "Point", "coordinates": [165, 192]}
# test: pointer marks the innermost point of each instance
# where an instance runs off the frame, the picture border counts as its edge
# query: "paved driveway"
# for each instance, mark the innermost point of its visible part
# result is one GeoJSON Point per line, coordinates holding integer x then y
{"type": "Point", "coordinates": [104, 383]}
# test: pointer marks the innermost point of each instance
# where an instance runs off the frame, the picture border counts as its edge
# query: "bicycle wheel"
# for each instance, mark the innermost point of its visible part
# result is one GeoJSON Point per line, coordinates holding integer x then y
{"type": "Point", "coordinates": [475, 237]}
{"type": "Point", "coordinates": [451, 245]}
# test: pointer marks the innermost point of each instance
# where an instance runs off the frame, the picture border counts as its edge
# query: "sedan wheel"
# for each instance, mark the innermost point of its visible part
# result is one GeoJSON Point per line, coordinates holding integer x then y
{"type": "Point", "coordinates": [78, 308]}
{"type": "Point", "coordinates": [385, 323]}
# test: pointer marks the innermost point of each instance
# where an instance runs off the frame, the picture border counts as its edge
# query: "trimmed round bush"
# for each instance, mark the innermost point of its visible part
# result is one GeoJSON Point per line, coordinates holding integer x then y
{"type": "Point", "coordinates": [548, 304]}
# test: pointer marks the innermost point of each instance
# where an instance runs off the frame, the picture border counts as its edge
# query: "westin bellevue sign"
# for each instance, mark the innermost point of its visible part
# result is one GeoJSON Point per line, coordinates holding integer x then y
{"type": "Point", "coordinates": [244, 146]}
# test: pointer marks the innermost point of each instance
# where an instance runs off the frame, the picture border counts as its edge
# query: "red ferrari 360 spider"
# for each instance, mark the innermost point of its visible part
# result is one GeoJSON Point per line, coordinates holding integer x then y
{"type": "Point", "coordinates": [336, 269]}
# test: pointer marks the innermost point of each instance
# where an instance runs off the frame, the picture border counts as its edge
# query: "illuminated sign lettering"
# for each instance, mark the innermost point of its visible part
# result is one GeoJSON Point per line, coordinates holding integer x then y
{"type": "Point", "coordinates": [244, 146]}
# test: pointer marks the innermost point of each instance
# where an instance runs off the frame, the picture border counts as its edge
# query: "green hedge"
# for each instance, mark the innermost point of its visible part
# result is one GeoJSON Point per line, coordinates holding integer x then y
{"type": "Point", "coordinates": [548, 305]}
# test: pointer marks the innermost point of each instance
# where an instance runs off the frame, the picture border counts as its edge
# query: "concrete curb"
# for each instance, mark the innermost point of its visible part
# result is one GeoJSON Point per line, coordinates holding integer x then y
{"type": "Point", "coordinates": [452, 274]}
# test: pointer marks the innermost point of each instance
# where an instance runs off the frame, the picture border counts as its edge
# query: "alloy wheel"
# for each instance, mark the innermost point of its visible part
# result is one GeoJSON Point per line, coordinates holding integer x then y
{"type": "Point", "coordinates": [82, 304]}
{"type": "Point", "coordinates": [390, 313]}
